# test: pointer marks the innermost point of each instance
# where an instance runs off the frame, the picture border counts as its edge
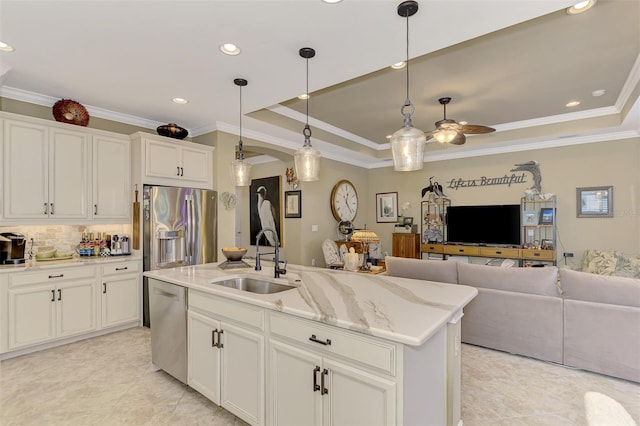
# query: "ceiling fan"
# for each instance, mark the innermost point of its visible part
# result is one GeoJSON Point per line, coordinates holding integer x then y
{"type": "Point", "coordinates": [450, 131]}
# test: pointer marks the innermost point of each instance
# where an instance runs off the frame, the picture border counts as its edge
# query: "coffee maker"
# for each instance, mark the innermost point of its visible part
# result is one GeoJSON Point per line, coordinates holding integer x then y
{"type": "Point", "coordinates": [12, 248]}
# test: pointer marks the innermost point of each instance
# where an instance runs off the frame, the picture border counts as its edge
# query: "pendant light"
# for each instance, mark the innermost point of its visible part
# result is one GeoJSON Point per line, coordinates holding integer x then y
{"type": "Point", "coordinates": [307, 158]}
{"type": "Point", "coordinates": [407, 144]}
{"type": "Point", "coordinates": [239, 167]}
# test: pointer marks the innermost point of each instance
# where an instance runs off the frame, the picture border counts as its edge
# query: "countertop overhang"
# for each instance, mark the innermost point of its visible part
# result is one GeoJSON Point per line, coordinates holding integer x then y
{"type": "Point", "coordinates": [401, 310]}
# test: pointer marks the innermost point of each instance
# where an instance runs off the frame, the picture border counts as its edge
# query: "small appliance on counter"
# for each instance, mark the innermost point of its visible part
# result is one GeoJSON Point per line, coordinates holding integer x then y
{"type": "Point", "coordinates": [12, 248]}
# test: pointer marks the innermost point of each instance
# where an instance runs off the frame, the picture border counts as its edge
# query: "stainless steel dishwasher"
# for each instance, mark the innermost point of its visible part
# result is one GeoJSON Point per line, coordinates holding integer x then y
{"type": "Point", "coordinates": [168, 315]}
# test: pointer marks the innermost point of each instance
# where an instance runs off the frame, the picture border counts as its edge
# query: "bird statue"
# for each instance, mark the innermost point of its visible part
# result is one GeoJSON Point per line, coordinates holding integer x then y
{"type": "Point", "coordinates": [434, 187]}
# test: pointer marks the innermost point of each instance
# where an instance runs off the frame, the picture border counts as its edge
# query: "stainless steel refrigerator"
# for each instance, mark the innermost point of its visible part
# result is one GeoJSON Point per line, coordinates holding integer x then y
{"type": "Point", "coordinates": [179, 229]}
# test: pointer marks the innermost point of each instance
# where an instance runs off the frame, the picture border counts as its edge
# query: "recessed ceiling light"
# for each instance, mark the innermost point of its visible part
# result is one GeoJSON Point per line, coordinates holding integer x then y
{"type": "Point", "coordinates": [331, 1]}
{"type": "Point", "coordinates": [463, 122]}
{"type": "Point", "coordinates": [229, 49]}
{"type": "Point", "coordinates": [598, 92]}
{"type": "Point", "coordinates": [399, 65]}
{"type": "Point", "coordinates": [388, 136]}
{"type": "Point", "coordinates": [572, 104]}
{"type": "Point", "coordinates": [304, 96]}
{"type": "Point", "coordinates": [180, 100]}
{"type": "Point", "coordinates": [5, 47]}
{"type": "Point", "coordinates": [580, 7]}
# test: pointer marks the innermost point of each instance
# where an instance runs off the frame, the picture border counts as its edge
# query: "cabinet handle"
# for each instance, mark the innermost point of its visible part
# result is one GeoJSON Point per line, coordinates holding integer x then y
{"type": "Point", "coordinates": [104, 288]}
{"type": "Point", "coordinates": [313, 338]}
{"type": "Point", "coordinates": [51, 208]}
{"type": "Point", "coordinates": [59, 294]}
{"type": "Point", "coordinates": [324, 390]}
{"type": "Point", "coordinates": [46, 208]}
{"type": "Point", "coordinates": [178, 167]}
{"type": "Point", "coordinates": [122, 269]}
{"type": "Point", "coordinates": [181, 171]}
{"type": "Point", "coordinates": [498, 252]}
{"type": "Point", "coordinates": [213, 338]}
{"type": "Point", "coordinates": [56, 276]}
{"type": "Point", "coordinates": [53, 295]}
{"type": "Point", "coordinates": [220, 344]}
{"type": "Point", "coordinates": [315, 379]}
{"type": "Point", "coordinates": [95, 209]}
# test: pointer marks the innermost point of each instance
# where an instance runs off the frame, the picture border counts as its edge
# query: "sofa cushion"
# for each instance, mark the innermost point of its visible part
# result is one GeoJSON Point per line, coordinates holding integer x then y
{"type": "Point", "coordinates": [600, 288]}
{"type": "Point", "coordinates": [611, 263]}
{"type": "Point", "coordinates": [443, 271]}
{"type": "Point", "coordinates": [542, 281]}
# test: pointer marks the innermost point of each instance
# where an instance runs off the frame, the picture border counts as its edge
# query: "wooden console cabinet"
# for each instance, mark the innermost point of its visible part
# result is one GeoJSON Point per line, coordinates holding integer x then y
{"type": "Point", "coordinates": [406, 245]}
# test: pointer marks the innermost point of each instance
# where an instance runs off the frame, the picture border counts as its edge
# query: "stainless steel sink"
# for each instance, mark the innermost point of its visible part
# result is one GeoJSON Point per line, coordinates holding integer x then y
{"type": "Point", "coordinates": [254, 285]}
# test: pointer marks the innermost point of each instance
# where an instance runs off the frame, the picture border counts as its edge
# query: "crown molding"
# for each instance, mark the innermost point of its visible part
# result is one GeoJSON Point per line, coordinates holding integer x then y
{"type": "Point", "coordinates": [48, 101]}
{"type": "Point", "coordinates": [629, 85]}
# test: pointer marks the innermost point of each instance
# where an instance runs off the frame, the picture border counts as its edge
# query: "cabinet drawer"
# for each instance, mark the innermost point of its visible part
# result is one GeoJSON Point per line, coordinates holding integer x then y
{"type": "Point", "coordinates": [243, 313]}
{"type": "Point", "coordinates": [462, 250]}
{"type": "Point", "coordinates": [433, 248]}
{"type": "Point", "coordinates": [539, 254]}
{"type": "Point", "coordinates": [120, 268]}
{"type": "Point", "coordinates": [51, 276]}
{"type": "Point", "coordinates": [347, 344]}
{"type": "Point", "coordinates": [510, 253]}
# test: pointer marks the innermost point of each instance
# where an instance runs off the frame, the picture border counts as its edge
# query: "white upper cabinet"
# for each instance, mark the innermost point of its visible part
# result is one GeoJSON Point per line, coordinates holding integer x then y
{"type": "Point", "coordinates": [158, 160]}
{"type": "Point", "coordinates": [111, 178]}
{"type": "Point", "coordinates": [45, 172]}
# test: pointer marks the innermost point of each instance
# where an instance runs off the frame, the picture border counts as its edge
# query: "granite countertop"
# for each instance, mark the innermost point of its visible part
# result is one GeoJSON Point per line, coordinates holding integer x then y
{"type": "Point", "coordinates": [398, 309]}
{"type": "Point", "coordinates": [35, 265]}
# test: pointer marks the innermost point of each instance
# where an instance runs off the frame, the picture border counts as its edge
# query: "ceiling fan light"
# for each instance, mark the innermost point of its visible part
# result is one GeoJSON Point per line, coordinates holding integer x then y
{"type": "Point", "coordinates": [240, 172]}
{"type": "Point", "coordinates": [445, 135]}
{"type": "Point", "coordinates": [307, 163]}
{"type": "Point", "coordinates": [407, 148]}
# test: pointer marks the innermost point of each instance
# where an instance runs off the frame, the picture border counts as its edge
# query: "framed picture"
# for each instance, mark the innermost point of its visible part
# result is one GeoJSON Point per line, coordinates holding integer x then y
{"type": "Point", "coordinates": [546, 244]}
{"type": "Point", "coordinates": [546, 216]}
{"type": "Point", "coordinates": [529, 218]}
{"type": "Point", "coordinates": [293, 204]}
{"type": "Point", "coordinates": [387, 207]}
{"type": "Point", "coordinates": [595, 201]}
{"type": "Point", "coordinates": [407, 221]}
{"type": "Point", "coordinates": [265, 210]}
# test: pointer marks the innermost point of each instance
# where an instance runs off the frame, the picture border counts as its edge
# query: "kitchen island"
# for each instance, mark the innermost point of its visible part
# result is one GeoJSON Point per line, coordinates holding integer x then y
{"type": "Point", "coordinates": [339, 348]}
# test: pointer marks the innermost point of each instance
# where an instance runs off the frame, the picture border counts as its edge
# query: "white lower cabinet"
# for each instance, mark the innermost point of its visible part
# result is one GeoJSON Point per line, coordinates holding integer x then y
{"type": "Point", "coordinates": [226, 359]}
{"type": "Point", "coordinates": [120, 293]}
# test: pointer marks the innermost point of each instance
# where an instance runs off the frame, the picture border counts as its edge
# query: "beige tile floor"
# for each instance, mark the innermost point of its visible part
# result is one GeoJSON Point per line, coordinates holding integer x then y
{"type": "Point", "coordinates": [109, 380]}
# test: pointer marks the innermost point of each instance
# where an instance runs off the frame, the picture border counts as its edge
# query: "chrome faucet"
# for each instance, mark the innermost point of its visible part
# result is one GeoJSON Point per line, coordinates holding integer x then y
{"type": "Point", "coordinates": [276, 253]}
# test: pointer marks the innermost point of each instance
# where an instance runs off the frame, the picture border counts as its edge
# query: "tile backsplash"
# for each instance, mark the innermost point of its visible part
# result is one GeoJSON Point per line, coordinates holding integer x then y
{"type": "Point", "coordinates": [63, 238]}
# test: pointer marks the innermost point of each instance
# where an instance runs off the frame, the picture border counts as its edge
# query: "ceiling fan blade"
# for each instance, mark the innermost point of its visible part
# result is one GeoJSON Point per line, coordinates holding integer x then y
{"type": "Point", "coordinates": [474, 129]}
{"type": "Point", "coordinates": [459, 140]}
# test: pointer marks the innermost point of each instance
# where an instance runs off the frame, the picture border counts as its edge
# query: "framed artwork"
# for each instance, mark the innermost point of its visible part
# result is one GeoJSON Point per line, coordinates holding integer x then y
{"type": "Point", "coordinates": [546, 216]}
{"type": "Point", "coordinates": [595, 201]}
{"type": "Point", "coordinates": [293, 204]}
{"type": "Point", "coordinates": [265, 210]}
{"type": "Point", "coordinates": [529, 218]}
{"type": "Point", "coordinates": [387, 207]}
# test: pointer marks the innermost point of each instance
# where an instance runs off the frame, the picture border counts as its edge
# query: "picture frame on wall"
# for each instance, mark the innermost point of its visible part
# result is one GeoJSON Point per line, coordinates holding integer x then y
{"type": "Point", "coordinates": [265, 209]}
{"type": "Point", "coordinates": [594, 201]}
{"type": "Point", "coordinates": [546, 216]}
{"type": "Point", "coordinates": [529, 218]}
{"type": "Point", "coordinates": [386, 207]}
{"type": "Point", "coordinates": [293, 204]}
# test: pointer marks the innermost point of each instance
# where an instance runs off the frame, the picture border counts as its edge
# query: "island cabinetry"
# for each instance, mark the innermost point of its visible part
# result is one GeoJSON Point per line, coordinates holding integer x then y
{"type": "Point", "coordinates": [226, 354]}
{"type": "Point", "coordinates": [43, 306]}
{"type": "Point", "coordinates": [120, 293]}
{"type": "Point", "coordinates": [45, 172]}
{"type": "Point", "coordinates": [164, 161]}
{"type": "Point", "coordinates": [321, 375]}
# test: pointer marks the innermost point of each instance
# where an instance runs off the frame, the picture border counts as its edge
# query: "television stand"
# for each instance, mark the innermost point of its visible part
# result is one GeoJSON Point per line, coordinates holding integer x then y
{"type": "Point", "coordinates": [490, 251]}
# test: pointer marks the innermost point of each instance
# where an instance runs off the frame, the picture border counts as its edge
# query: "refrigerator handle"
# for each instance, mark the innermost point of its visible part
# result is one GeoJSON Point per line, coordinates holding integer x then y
{"type": "Point", "coordinates": [187, 209]}
{"type": "Point", "coordinates": [192, 230]}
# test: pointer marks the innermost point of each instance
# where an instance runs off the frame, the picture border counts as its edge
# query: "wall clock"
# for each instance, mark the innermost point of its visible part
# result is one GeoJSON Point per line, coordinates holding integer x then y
{"type": "Point", "coordinates": [344, 201]}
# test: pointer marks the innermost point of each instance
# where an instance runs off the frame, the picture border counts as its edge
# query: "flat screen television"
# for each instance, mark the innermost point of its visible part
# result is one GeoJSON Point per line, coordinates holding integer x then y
{"type": "Point", "coordinates": [484, 225]}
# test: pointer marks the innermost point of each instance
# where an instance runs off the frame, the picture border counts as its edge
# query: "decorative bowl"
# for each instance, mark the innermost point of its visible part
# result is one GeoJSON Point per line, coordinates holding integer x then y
{"type": "Point", "coordinates": [48, 254]}
{"type": "Point", "coordinates": [172, 130]}
{"type": "Point", "coordinates": [234, 254]}
{"type": "Point", "coordinates": [69, 111]}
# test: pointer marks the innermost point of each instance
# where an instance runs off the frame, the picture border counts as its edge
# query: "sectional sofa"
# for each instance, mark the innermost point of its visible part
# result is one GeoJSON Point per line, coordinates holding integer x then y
{"type": "Point", "coordinates": [574, 318]}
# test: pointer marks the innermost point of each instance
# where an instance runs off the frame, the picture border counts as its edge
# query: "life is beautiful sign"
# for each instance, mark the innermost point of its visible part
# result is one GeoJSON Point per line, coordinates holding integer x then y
{"type": "Point", "coordinates": [518, 176]}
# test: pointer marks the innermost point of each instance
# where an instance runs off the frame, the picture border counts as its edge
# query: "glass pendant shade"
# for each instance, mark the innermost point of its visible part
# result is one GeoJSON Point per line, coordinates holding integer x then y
{"type": "Point", "coordinates": [407, 148]}
{"type": "Point", "coordinates": [307, 163]}
{"type": "Point", "coordinates": [240, 172]}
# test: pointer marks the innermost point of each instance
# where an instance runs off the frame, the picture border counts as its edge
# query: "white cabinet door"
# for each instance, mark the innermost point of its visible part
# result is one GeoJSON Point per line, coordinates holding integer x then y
{"type": "Point", "coordinates": [294, 391]}
{"type": "Point", "coordinates": [25, 170]}
{"type": "Point", "coordinates": [111, 178]}
{"type": "Point", "coordinates": [203, 364]}
{"type": "Point", "coordinates": [162, 160]}
{"type": "Point", "coordinates": [76, 307]}
{"type": "Point", "coordinates": [32, 315]}
{"type": "Point", "coordinates": [68, 174]}
{"type": "Point", "coordinates": [242, 371]}
{"type": "Point", "coordinates": [356, 397]}
{"type": "Point", "coordinates": [120, 300]}
{"type": "Point", "coordinates": [196, 165]}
